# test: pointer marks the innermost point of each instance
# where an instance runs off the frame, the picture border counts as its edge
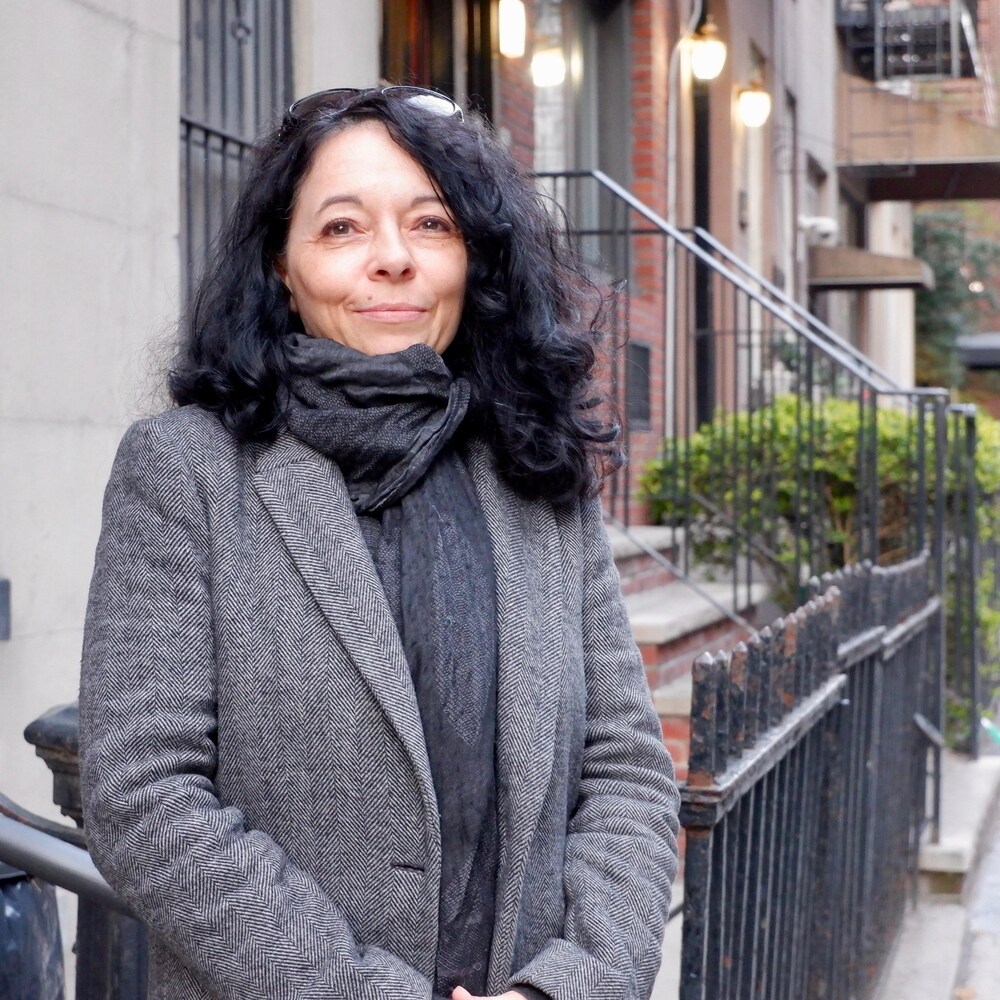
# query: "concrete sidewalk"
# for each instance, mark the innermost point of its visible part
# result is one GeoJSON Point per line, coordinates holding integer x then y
{"type": "Point", "coordinates": [949, 946]}
{"type": "Point", "coordinates": [668, 982]}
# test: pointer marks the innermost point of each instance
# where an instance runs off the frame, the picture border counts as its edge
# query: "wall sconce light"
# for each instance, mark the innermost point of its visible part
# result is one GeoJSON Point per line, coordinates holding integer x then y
{"type": "Point", "coordinates": [548, 64]}
{"type": "Point", "coordinates": [513, 28]}
{"type": "Point", "coordinates": [708, 51]}
{"type": "Point", "coordinates": [754, 104]}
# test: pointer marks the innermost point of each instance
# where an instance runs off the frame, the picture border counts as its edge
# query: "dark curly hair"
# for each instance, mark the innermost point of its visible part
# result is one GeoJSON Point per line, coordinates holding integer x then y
{"type": "Point", "coordinates": [529, 334]}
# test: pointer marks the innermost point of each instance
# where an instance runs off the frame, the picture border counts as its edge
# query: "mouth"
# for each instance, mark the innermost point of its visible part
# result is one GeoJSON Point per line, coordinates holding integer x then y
{"type": "Point", "coordinates": [393, 312]}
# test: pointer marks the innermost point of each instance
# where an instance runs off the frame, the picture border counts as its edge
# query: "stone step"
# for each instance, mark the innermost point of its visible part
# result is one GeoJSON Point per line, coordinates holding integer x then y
{"type": "Point", "coordinates": [673, 624]}
{"type": "Point", "coordinates": [653, 536]}
{"type": "Point", "coordinates": [672, 702]}
{"type": "Point", "coordinates": [638, 569]}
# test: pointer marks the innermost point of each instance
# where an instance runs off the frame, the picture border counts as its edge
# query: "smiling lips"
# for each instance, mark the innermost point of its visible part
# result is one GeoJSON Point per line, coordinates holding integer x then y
{"type": "Point", "coordinates": [392, 312]}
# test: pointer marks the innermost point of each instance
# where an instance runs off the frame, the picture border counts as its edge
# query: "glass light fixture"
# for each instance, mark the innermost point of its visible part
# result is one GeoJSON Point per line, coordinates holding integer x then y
{"type": "Point", "coordinates": [754, 104]}
{"type": "Point", "coordinates": [513, 28]}
{"type": "Point", "coordinates": [708, 51]}
{"type": "Point", "coordinates": [548, 64]}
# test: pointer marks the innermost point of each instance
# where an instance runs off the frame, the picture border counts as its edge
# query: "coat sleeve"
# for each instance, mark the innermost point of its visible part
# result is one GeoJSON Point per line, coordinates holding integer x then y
{"type": "Point", "coordinates": [247, 922]}
{"type": "Point", "coordinates": [621, 843]}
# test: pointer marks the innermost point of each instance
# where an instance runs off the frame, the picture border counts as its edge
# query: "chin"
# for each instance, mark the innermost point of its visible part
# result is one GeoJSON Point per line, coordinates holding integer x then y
{"type": "Point", "coordinates": [393, 344]}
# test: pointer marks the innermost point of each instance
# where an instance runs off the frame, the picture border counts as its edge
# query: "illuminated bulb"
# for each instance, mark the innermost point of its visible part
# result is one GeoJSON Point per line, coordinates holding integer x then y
{"type": "Point", "coordinates": [754, 105]}
{"type": "Point", "coordinates": [513, 28]}
{"type": "Point", "coordinates": [548, 66]}
{"type": "Point", "coordinates": [708, 51]}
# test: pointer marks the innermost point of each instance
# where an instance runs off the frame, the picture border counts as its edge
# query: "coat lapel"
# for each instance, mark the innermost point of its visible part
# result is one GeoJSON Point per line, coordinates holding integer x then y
{"type": "Point", "coordinates": [307, 499]}
{"type": "Point", "coordinates": [308, 502]}
{"type": "Point", "coordinates": [526, 554]}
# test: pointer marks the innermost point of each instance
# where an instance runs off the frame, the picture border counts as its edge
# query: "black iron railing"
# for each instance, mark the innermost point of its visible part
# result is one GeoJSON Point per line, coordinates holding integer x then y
{"type": "Point", "coordinates": [807, 790]}
{"type": "Point", "coordinates": [751, 402]}
{"type": "Point", "coordinates": [782, 301]}
{"type": "Point", "coordinates": [973, 582]}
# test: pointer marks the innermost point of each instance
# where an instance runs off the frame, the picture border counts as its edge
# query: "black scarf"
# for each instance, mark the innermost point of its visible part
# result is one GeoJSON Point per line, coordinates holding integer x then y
{"type": "Point", "coordinates": [388, 421]}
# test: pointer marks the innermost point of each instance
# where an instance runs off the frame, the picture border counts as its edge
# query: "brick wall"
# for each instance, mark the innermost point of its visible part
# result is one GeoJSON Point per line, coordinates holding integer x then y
{"type": "Point", "coordinates": [653, 29]}
{"type": "Point", "coordinates": [515, 97]}
{"type": "Point", "coordinates": [651, 46]}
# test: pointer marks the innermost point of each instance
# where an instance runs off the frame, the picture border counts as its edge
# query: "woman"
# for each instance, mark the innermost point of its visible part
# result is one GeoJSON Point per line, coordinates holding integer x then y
{"type": "Point", "coordinates": [361, 715]}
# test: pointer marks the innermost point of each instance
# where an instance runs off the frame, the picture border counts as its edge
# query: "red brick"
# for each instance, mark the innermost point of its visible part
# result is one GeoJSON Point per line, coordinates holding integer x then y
{"type": "Point", "coordinates": [676, 728]}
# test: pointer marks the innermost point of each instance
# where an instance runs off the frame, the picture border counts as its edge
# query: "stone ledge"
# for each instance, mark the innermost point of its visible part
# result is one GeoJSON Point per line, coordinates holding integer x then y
{"type": "Point", "coordinates": [950, 856]}
{"type": "Point", "coordinates": [970, 797]}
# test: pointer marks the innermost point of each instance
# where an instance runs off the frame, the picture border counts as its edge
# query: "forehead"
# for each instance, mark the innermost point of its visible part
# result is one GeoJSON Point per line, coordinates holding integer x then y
{"type": "Point", "coordinates": [362, 156]}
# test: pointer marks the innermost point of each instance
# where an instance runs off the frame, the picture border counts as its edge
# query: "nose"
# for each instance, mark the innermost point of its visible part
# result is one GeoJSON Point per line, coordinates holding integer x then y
{"type": "Point", "coordinates": [391, 256]}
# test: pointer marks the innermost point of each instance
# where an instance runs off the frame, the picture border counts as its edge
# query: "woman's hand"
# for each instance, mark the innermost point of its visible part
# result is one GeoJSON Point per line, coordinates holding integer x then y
{"type": "Point", "coordinates": [461, 993]}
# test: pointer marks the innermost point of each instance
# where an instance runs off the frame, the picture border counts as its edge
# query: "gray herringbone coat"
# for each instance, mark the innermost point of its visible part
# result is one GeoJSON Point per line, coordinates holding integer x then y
{"type": "Point", "coordinates": [255, 776]}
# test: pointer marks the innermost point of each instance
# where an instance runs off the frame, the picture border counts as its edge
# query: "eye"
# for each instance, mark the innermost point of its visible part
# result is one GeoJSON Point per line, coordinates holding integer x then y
{"type": "Point", "coordinates": [338, 227]}
{"type": "Point", "coordinates": [435, 224]}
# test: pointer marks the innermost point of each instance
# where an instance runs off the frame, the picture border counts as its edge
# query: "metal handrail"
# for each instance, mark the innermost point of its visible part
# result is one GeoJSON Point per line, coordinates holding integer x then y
{"type": "Point", "coordinates": [711, 262]}
{"type": "Point", "coordinates": [657, 556]}
{"type": "Point", "coordinates": [53, 860]}
{"type": "Point", "coordinates": [796, 308]}
{"type": "Point", "coordinates": [69, 834]}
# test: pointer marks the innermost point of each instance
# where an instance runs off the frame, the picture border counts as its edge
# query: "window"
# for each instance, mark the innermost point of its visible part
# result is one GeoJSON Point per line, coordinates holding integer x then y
{"type": "Point", "coordinates": [637, 389]}
{"type": "Point", "coordinates": [236, 73]}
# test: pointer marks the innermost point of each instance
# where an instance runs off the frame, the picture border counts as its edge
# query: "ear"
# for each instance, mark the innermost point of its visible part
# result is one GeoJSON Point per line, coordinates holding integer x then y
{"type": "Point", "coordinates": [281, 270]}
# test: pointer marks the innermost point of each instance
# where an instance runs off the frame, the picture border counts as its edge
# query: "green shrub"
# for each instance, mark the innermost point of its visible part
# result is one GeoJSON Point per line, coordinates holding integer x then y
{"type": "Point", "coordinates": [746, 475]}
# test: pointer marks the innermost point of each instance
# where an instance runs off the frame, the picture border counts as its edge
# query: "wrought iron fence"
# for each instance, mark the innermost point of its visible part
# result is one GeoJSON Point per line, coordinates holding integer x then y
{"type": "Point", "coordinates": [807, 790]}
{"type": "Point", "coordinates": [773, 446]}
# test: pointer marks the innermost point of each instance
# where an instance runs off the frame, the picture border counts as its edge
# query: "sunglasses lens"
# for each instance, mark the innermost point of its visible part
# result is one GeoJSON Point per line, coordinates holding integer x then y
{"type": "Point", "coordinates": [324, 100]}
{"type": "Point", "coordinates": [427, 101]}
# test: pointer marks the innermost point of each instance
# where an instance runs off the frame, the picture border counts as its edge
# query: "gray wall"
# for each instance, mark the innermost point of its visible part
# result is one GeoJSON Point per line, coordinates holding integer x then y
{"type": "Point", "coordinates": [336, 44]}
{"type": "Point", "coordinates": [88, 197]}
{"type": "Point", "coordinates": [89, 295]}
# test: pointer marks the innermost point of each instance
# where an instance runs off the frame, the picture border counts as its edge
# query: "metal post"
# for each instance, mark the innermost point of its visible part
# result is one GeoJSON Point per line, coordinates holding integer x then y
{"type": "Point", "coordinates": [955, 36]}
{"type": "Point", "coordinates": [940, 634]}
{"type": "Point", "coordinates": [111, 944]}
{"type": "Point", "coordinates": [972, 580]}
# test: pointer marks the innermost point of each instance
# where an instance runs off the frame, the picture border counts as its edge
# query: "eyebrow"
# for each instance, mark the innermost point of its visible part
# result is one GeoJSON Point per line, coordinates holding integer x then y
{"type": "Point", "coordinates": [353, 199]}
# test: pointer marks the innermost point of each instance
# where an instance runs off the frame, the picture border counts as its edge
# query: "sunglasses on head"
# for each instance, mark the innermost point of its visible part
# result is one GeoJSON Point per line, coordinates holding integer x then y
{"type": "Point", "coordinates": [419, 98]}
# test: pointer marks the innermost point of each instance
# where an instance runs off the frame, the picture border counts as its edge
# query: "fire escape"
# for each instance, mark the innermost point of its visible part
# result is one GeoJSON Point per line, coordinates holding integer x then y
{"type": "Point", "coordinates": [897, 40]}
{"type": "Point", "coordinates": [917, 106]}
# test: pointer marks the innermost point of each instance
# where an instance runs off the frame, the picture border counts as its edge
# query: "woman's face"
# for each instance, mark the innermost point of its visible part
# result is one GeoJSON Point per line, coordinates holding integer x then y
{"type": "Point", "coordinates": [374, 259]}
